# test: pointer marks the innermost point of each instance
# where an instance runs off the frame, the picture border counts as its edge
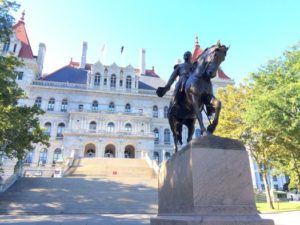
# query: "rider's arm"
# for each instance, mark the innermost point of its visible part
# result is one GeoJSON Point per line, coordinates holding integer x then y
{"type": "Point", "coordinates": [172, 77]}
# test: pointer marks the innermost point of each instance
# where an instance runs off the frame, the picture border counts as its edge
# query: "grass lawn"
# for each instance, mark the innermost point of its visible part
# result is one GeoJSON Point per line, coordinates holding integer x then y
{"type": "Point", "coordinates": [279, 206]}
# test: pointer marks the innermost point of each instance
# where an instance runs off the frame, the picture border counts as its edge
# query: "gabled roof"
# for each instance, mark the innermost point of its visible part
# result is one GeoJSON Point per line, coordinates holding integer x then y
{"type": "Point", "coordinates": [21, 34]}
{"type": "Point", "coordinates": [68, 74]}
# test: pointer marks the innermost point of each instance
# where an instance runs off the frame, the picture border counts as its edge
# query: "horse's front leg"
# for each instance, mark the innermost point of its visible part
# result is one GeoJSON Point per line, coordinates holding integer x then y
{"type": "Point", "coordinates": [217, 105]}
{"type": "Point", "coordinates": [196, 107]}
{"type": "Point", "coordinates": [190, 123]}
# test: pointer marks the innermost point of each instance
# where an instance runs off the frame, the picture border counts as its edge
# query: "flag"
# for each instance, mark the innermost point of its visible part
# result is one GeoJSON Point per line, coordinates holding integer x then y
{"type": "Point", "coordinates": [122, 49]}
{"type": "Point", "coordinates": [103, 48]}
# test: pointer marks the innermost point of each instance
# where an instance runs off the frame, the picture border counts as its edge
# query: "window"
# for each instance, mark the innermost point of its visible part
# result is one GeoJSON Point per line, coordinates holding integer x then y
{"type": "Point", "coordinates": [80, 107]}
{"type": "Point", "coordinates": [51, 104]}
{"type": "Point", "coordinates": [197, 133]}
{"type": "Point", "coordinates": [275, 178]}
{"type": "Point", "coordinates": [156, 136]}
{"type": "Point", "coordinates": [64, 105]}
{"type": "Point", "coordinates": [6, 47]}
{"type": "Point", "coordinates": [95, 105]}
{"type": "Point", "coordinates": [167, 136]}
{"type": "Point", "coordinates": [60, 130]}
{"type": "Point", "coordinates": [28, 158]}
{"type": "Point", "coordinates": [167, 155]}
{"type": "Point", "coordinates": [43, 156]}
{"type": "Point", "coordinates": [97, 79]}
{"type": "Point", "coordinates": [38, 102]}
{"type": "Point", "coordinates": [47, 128]}
{"type": "Point", "coordinates": [105, 81]}
{"type": "Point", "coordinates": [121, 83]}
{"type": "Point", "coordinates": [127, 108]}
{"type": "Point", "coordinates": [155, 111]}
{"type": "Point", "coordinates": [110, 127]}
{"type": "Point", "coordinates": [262, 187]}
{"type": "Point", "coordinates": [156, 156]}
{"type": "Point", "coordinates": [128, 82]}
{"type": "Point", "coordinates": [128, 127]}
{"type": "Point", "coordinates": [276, 187]}
{"type": "Point", "coordinates": [113, 81]}
{"type": "Point", "coordinates": [15, 48]}
{"type": "Point", "coordinates": [93, 126]}
{"type": "Point", "coordinates": [111, 107]}
{"type": "Point", "coordinates": [166, 109]}
{"type": "Point", "coordinates": [20, 75]}
{"type": "Point", "coordinates": [57, 156]}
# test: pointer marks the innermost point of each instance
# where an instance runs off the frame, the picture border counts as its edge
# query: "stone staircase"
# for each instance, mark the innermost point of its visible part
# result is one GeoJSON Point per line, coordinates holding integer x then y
{"type": "Point", "coordinates": [92, 186]}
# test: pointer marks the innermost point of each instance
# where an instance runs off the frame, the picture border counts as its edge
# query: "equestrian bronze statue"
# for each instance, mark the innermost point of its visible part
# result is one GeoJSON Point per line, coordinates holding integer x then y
{"type": "Point", "coordinates": [194, 93]}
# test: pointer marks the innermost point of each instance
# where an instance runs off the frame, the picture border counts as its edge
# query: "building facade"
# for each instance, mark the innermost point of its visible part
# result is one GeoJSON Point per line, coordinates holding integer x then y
{"type": "Point", "coordinates": [97, 110]}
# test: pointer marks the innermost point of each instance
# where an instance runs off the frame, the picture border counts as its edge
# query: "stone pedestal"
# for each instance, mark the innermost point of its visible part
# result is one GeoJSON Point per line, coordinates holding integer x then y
{"type": "Point", "coordinates": [208, 182]}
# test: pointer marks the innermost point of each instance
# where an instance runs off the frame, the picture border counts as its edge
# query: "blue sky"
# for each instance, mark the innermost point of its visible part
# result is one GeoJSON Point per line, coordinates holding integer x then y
{"type": "Point", "coordinates": [256, 30]}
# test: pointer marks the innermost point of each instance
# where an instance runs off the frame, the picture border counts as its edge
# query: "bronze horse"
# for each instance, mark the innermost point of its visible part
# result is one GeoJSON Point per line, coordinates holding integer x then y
{"type": "Point", "coordinates": [197, 96]}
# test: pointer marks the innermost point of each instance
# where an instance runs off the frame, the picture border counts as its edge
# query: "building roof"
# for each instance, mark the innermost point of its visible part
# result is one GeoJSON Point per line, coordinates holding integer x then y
{"type": "Point", "coordinates": [21, 34]}
{"type": "Point", "coordinates": [68, 74]}
{"type": "Point", "coordinates": [145, 86]}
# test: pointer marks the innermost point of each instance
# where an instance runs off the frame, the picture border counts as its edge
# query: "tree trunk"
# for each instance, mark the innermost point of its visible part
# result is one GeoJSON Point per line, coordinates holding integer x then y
{"type": "Point", "coordinates": [267, 188]}
{"type": "Point", "coordinates": [296, 169]}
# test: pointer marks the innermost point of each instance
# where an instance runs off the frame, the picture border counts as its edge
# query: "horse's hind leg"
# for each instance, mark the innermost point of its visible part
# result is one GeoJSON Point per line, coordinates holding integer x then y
{"type": "Point", "coordinates": [173, 126]}
{"type": "Point", "coordinates": [217, 105]}
{"type": "Point", "coordinates": [198, 112]}
{"type": "Point", "coordinates": [190, 123]}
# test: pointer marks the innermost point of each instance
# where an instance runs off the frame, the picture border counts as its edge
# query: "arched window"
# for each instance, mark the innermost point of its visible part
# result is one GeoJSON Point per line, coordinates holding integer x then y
{"type": "Point", "coordinates": [97, 79]}
{"type": "Point", "coordinates": [167, 155]}
{"type": "Point", "coordinates": [166, 109]}
{"type": "Point", "coordinates": [167, 136]}
{"type": "Point", "coordinates": [58, 155]}
{"type": "Point", "coordinates": [95, 105]}
{"type": "Point", "coordinates": [64, 105]}
{"type": "Point", "coordinates": [110, 127]}
{"type": "Point", "coordinates": [127, 108]}
{"type": "Point", "coordinates": [156, 156]}
{"type": "Point", "coordinates": [156, 136]}
{"type": "Point", "coordinates": [38, 102]}
{"type": "Point", "coordinates": [155, 111]}
{"type": "Point", "coordinates": [93, 126]}
{"type": "Point", "coordinates": [111, 107]}
{"type": "Point", "coordinates": [113, 81]}
{"type": "Point", "coordinates": [197, 133]}
{"type": "Point", "coordinates": [128, 82]}
{"type": "Point", "coordinates": [51, 104]}
{"type": "Point", "coordinates": [128, 127]}
{"type": "Point", "coordinates": [28, 158]}
{"type": "Point", "coordinates": [43, 156]}
{"type": "Point", "coordinates": [60, 130]}
{"type": "Point", "coordinates": [47, 128]}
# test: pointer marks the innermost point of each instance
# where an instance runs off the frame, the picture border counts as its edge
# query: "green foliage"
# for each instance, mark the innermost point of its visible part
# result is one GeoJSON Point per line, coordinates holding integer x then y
{"type": "Point", "coordinates": [265, 115]}
{"type": "Point", "coordinates": [6, 19]}
{"type": "Point", "coordinates": [19, 125]}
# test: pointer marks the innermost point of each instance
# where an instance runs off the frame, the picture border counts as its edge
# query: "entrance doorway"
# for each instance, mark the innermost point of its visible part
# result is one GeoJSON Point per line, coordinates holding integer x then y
{"type": "Point", "coordinates": [110, 151]}
{"type": "Point", "coordinates": [129, 152]}
{"type": "Point", "coordinates": [90, 151]}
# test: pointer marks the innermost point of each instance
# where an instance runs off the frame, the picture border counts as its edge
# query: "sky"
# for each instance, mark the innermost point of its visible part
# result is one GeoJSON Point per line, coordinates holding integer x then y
{"type": "Point", "coordinates": [256, 31]}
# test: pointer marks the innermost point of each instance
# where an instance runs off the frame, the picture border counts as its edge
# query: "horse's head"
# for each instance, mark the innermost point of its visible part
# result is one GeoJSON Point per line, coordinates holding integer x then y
{"type": "Point", "coordinates": [211, 59]}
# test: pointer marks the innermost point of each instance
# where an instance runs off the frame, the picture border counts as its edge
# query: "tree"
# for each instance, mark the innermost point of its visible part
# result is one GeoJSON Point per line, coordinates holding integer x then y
{"type": "Point", "coordinates": [19, 125]}
{"type": "Point", "coordinates": [267, 118]}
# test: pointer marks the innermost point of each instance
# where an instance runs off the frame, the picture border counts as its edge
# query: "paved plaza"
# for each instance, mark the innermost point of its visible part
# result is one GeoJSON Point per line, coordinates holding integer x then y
{"type": "Point", "coordinates": [284, 218]}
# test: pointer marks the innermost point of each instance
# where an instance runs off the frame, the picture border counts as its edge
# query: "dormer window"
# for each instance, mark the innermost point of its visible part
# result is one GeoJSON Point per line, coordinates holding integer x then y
{"type": "Point", "coordinates": [97, 79]}
{"type": "Point", "coordinates": [113, 81]}
{"type": "Point", "coordinates": [128, 82]}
